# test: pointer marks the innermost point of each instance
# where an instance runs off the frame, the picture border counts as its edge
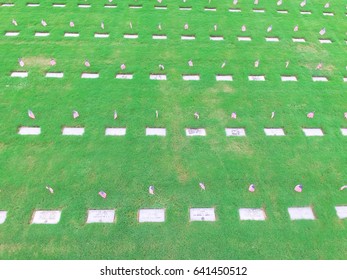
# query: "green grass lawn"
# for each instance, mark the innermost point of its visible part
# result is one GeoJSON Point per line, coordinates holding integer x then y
{"type": "Point", "coordinates": [79, 167]}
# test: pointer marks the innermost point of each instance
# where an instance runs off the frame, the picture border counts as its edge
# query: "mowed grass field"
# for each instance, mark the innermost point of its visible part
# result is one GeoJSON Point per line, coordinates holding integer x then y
{"type": "Point", "coordinates": [79, 167]}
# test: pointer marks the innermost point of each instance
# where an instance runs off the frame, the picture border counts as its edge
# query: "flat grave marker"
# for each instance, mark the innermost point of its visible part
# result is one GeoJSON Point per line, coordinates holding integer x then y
{"type": "Point", "coordinates": [289, 79]}
{"type": "Point", "coordinates": [274, 132]}
{"type": "Point", "coordinates": [86, 75]}
{"type": "Point", "coordinates": [195, 132]}
{"type": "Point", "coordinates": [299, 40]}
{"type": "Point", "coordinates": [115, 131]}
{"type": "Point", "coordinates": [256, 78]}
{"type": "Point", "coordinates": [246, 39]}
{"type": "Point", "coordinates": [341, 212]}
{"type": "Point", "coordinates": [235, 132]}
{"type": "Point", "coordinates": [3, 216]}
{"type": "Point", "coordinates": [41, 34]}
{"type": "Point", "coordinates": [272, 39]}
{"type": "Point", "coordinates": [11, 33]}
{"type": "Point", "coordinates": [54, 75]}
{"type": "Point", "coordinates": [151, 215]}
{"type": "Point", "coordinates": [202, 214]}
{"type": "Point", "coordinates": [159, 36]}
{"type": "Point", "coordinates": [224, 78]}
{"type": "Point", "coordinates": [216, 38]}
{"type": "Point", "coordinates": [319, 79]}
{"type": "Point", "coordinates": [101, 35]}
{"type": "Point", "coordinates": [101, 216]}
{"type": "Point", "coordinates": [19, 74]}
{"type": "Point", "coordinates": [301, 213]}
{"type": "Point", "coordinates": [46, 217]}
{"type": "Point", "coordinates": [155, 131]}
{"type": "Point", "coordinates": [313, 132]}
{"type": "Point", "coordinates": [124, 76]}
{"type": "Point", "coordinates": [71, 34]}
{"type": "Point", "coordinates": [252, 214]}
{"type": "Point", "coordinates": [344, 131]}
{"type": "Point", "coordinates": [158, 77]}
{"type": "Point", "coordinates": [131, 36]}
{"type": "Point", "coordinates": [191, 77]}
{"type": "Point", "coordinates": [188, 37]}
{"type": "Point", "coordinates": [27, 130]}
{"type": "Point", "coordinates": [73, 131]}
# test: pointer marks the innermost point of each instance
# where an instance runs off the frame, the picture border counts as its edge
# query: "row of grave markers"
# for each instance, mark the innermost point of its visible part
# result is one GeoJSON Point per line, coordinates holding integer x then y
{"type": "Point", "coordinates": [163, 77]}
{"type": "Point", "coordinates": [158, 215]}
{"type": "Point", "coordinates": [155, 131]}
{"type": "Point", "coordinates": [165, 7]}
{"type": "Point", "coordinates": [165, 37]}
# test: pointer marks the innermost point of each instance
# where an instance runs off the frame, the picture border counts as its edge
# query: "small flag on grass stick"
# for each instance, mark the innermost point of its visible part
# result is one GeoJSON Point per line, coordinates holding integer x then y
{"type": "Point", "coordinates": [75, 114]}
{"type": "Point", "coordinates": [298, 188]}
{"type": "Point", "coordinates": [31, 114]}
{"type": "Point", "coordinates": [102, 194]}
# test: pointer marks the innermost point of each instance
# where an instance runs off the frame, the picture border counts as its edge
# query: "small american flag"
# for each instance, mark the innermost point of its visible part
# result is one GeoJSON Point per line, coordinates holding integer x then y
{"type": "Point", "coordinates": [87, 63]}
{"type": "Point", "coordinates": [151, 189]}
{"type": "Point", "coordinates": [52, 62]}
{"type": "Point", "coordinates": [327, 5]}
{"type": "Point", "coordinates": [31, 114]}
{"type": "Point", "coordinates": [72, 24]}
{"type": "Point", "coordinates": [345, 115]}
{"type": "Point", "coordinates": [14, 22]}
{"type": "Point", "coordinates": [272, 115]}
{"type": "Point", "coordinates": [296, 28]}
{"type": "Point", "coordinates": [303, 3]}
{"type": "Point", "coordinates": [102, 194]}
{"type": "Point", "coordinates": [202, 186]}
{"type": "Point", "coordinates": [322, 32]}
{"type": "Point", "coordinates": [75, 114]}
{"type": "Point", "coordinates": [298, 188]}
{"type": "Point", "coordinates": [279, 2]}
{"type": "Point", "coordinates": [44, 23]}
{"type": "Point", "coordinates": [21, 62]}
{"type": "Point", "coordinates": [123, 66]}
{"type": "Point", "coordinates": [269, 29]}
{"type": "Point", "coordinates": [50, 189]}
{"type": "Point", "coordinates": [233, 115]}
{"type": "Point", "coordinates": [251, 188]}
{"type": "Point", "coordinates": [310, 115]}
{"type": "Point", "coordinates": [115, 115]}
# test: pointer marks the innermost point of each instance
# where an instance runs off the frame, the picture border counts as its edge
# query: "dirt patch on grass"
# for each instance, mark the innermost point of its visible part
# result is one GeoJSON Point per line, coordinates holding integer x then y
{"type": "Point", "coordinates": [225, 88]}
{"type": "Point", "coordinates": [241, 148]}
{"type": "Point", "coordinates": [37, 61]}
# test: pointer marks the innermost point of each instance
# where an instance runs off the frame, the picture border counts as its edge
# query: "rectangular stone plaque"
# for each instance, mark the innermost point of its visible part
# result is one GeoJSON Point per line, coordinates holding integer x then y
{"type": "Point", "coordinates": [3, 216]}
{"type": "Point", "coordinates": [76, 131]}
{"type": "Point", "coordinates": [101, 216]}
{"type": "Point", "coordinates": [235, 132]}
{"type": "Point", "coordinates": [115, 131]}
{"type": "Point", "coordinates": [154, 131]}
{"type": "Point", "coordinates": [274, 131]}
{"type": "Point", "coordinates": [254, 214]}
{"type": "Point", "coordinates": [202, 214]}
{"type": "Point", "coordinates": [26, 130]}
{"type": "Point", "coordinates": [151, 215]}
{"type": "Point", "coordinates": [46, 217]}
{"type": "Point", "coordinates": [195, 132]}
{"type": "Point", "coordinates": [313, 132]}
{"type": "Point", "coordinates": [341, 212]}
{"type": "Point", "coordinates": [301, 213]}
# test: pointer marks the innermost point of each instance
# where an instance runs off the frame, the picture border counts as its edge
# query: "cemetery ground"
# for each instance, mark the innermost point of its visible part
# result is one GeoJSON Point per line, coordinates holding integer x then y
{"type": "Point", "coordinates": [78, 167]}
